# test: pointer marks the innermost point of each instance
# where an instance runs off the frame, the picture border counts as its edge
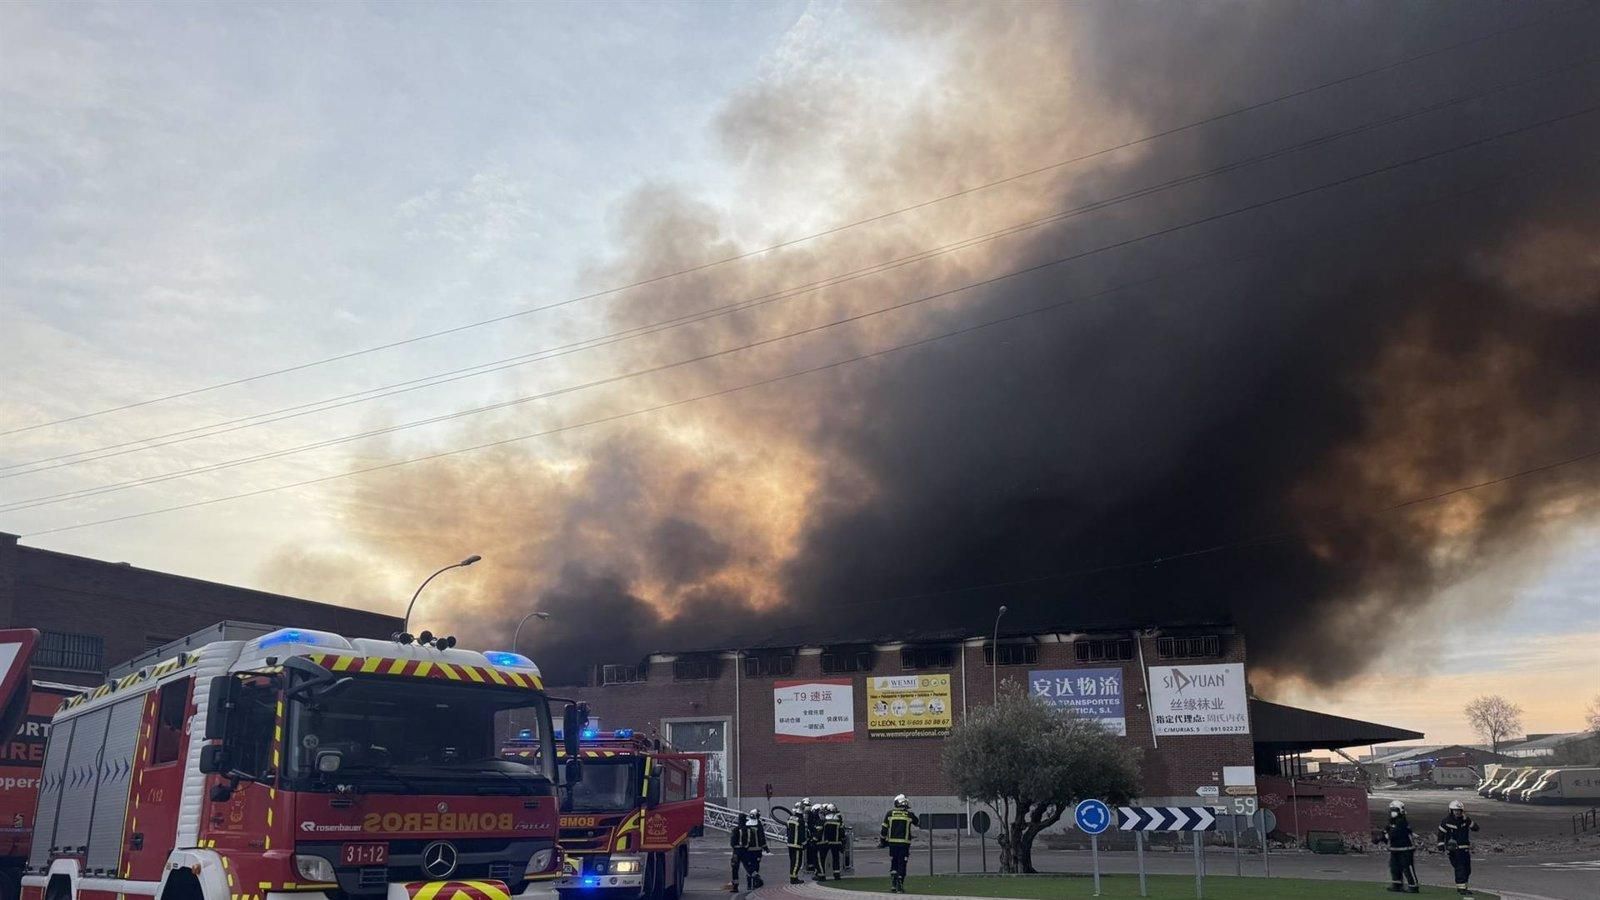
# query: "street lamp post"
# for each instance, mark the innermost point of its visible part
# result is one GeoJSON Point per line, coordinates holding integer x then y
{"type": "Point", "coordinates": [516, 635]}
{"type": "Point", "coordinates": [405, 624]}
{"type": "Point", "coordinates": [994, 654]}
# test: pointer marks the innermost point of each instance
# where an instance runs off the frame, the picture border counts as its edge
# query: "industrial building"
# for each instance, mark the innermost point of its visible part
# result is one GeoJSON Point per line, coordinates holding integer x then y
{"type": "Point", "coordinates": [857, 720]}
{"type": "Point", "coordinates": [93, 614]}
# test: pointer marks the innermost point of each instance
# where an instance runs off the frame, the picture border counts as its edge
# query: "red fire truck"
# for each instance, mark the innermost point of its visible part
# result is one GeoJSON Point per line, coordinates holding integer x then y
{"type": "Point", "coordinates": [625, 827]}
{"type": "Point", "coordinates": [299, 761]}
{"type": "Point", "coordinates": [26, 717]}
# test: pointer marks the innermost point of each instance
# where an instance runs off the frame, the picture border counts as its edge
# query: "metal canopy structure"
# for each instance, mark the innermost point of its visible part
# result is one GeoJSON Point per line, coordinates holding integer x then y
{"type": "Point", "coordinates": [1280, 729]}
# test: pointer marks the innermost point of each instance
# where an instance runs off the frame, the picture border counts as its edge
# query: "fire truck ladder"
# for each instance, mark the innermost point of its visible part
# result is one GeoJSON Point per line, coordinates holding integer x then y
{"type": "Point", "coordinates": [726, 818]}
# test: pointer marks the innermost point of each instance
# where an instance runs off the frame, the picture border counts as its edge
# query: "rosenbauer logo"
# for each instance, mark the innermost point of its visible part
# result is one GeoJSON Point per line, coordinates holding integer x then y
{"type": "Point", "coordinates": [315, 827]}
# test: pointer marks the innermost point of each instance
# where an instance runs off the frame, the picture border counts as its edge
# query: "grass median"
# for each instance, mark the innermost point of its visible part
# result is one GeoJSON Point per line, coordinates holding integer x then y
{"type": "Point", "coordinates": [1162, 887]}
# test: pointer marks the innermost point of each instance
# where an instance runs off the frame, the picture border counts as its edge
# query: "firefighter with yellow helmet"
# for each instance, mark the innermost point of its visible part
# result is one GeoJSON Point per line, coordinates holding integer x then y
{"type": "Point", "coordinates": [899, 824]}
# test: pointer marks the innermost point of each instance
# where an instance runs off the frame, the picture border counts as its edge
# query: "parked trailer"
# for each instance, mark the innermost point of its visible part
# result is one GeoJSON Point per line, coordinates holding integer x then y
{"type": "Point", "coordinates": [1540, 777]}
{"type": "Point", "coordinates": [1567, 785]}
{"type": "Point", "coordinates": [1453, 776]}
{"type": "Point", "coordinates": [1518, 780]}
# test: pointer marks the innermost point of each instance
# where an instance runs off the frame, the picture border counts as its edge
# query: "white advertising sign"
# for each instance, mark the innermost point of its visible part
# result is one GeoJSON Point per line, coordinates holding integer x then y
{"type": "Point", "coordinates": [807, 711]}
{"type": "Point", "coordinates": [1188, 699]}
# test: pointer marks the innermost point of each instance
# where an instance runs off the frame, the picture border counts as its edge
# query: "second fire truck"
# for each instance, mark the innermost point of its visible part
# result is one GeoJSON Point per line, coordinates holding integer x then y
{"type": "Point", "coordinates": [625, 827]}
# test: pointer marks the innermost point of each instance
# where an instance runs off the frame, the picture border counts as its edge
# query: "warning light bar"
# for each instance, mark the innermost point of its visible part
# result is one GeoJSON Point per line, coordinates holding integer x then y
{"type": "Point", "coordinates": [507, 659]}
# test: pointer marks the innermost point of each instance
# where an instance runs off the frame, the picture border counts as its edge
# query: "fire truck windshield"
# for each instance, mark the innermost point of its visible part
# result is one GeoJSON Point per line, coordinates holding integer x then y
{"type": "Point", "coordinates": [608, 784]}
{"type": "Point", "coordinates": [403, 736]}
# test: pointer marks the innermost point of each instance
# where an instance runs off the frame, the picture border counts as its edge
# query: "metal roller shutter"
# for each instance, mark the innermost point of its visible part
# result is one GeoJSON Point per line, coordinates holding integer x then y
{"type": "Point", "coordinates": [77, 799]}
{"type": "Point", "coordinates": [111, 798]}
{"type": "Point", "coordinates": [52, 782]}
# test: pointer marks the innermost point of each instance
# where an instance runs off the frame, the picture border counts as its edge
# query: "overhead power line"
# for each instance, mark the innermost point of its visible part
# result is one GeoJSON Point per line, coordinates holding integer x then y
{"type": "Point", "coordinates": [1199, 123]}
{"type": "Point", "coordinates": [185, 435]}
{"type": "Point", "coordinates": [861, 357]}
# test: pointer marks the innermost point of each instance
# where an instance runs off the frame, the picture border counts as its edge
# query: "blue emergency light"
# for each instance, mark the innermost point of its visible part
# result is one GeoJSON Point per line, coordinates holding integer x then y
{"type": "Point", "coordinates": [589, 734]}
{"type": "Point", "coordinates": [286, 636]}
{"type": "Point", "coordinates": [507, 658]}
{"type": "Point", "coordinates": [624, 733]}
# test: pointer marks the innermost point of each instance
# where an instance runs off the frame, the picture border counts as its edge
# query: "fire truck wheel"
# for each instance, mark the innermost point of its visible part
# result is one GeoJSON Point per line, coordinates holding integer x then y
{"type": "Point", "coordinates": [10, 885]}
{"type": "Point", "coordinates": [181, 885]}
{"type": "Point", "coordinates": [58, 889]}
{"type": "Point", "coordinates": [672, 884]}
{"type": "Point", "coordinates": [652, 878]}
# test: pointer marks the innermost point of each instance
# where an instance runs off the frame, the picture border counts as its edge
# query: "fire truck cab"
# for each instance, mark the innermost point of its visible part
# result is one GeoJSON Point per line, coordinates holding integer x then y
{"type": "Point", "coordinates": [297, 762]}
{"type": "Point", "coordinates": [625, 826]}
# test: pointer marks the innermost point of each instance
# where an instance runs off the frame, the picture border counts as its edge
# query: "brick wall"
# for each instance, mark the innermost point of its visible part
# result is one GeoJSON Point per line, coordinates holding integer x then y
{"type": "Point", "coordinates": [129, 607]}
{"type": "Point", "coordinates": [878, 768]}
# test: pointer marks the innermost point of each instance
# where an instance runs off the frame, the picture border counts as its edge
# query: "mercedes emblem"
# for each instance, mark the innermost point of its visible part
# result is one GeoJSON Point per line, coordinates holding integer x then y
{"type": "Point", "coordinates": [439, 859]}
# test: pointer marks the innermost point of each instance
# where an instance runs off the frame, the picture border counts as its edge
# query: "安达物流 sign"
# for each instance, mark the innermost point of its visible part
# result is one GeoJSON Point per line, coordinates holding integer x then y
{"type": "Point", "coordinates": [1091, 693]}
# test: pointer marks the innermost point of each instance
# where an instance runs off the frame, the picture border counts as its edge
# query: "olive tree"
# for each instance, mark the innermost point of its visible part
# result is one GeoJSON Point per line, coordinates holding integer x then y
{"type": "Point", "coordinates": [1030, 763]}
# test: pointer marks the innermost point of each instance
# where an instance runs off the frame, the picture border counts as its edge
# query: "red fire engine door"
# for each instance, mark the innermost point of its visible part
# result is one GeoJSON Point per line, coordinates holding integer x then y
{"type": "Point", "coordinates": [681, 804]}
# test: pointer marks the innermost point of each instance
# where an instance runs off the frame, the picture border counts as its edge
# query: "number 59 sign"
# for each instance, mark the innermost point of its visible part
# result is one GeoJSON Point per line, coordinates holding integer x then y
{"type": "Point", "coordinates": [1239, 806]}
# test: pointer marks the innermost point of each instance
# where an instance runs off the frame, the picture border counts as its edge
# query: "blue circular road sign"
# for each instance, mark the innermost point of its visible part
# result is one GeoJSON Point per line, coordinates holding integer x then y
{"type": "Point", "coordinates": [1092, 816]}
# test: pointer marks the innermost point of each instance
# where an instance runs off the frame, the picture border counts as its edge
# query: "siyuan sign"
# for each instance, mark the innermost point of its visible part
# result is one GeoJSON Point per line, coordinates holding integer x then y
{"type": "Point", "coordinates": [1199, 700]}
{"type": "Point", "coordinates": [804, 712]}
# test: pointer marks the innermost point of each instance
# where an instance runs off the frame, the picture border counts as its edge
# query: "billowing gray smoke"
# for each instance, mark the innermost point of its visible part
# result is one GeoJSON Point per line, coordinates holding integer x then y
{"type": "Point", "coordinates": [1285, 373]}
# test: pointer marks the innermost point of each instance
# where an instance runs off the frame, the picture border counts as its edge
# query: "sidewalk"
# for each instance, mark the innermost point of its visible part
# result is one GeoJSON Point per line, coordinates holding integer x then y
{"type": "Point", "coordinates": [812, 891]}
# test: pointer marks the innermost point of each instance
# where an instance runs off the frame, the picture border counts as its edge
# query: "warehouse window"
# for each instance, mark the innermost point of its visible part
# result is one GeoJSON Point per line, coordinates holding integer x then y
{"type": "Point", "coordinates": [619, 674]}
{"type": "Point", "coordinates": [172, 706]}
{"type": "Point", "coordinates": [843, 660]}
{"type": "Point", "coordinates": [768, 665]}
{"type": "Point", "coordinates": [927, 657]}
{"type": "Point", "coordinates": [65, 650]}
{"type": "Point", "coordinates": [695, 668]}
{"type": "Point", "coordinates": [1098, 650]}
{"type": "Point", "coordinates": [1012, 654]}
{"type": "Point", "coordinates": [1198, 646]}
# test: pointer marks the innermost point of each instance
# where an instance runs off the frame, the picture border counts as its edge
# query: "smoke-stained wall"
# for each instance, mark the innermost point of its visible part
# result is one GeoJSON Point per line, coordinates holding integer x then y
{"type": "Point", "coordinates": [1241, 386]}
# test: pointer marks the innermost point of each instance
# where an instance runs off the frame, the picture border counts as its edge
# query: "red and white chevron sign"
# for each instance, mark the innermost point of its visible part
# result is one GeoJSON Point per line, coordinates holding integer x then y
{"type": "Point", "coordinates": [1166, 818]}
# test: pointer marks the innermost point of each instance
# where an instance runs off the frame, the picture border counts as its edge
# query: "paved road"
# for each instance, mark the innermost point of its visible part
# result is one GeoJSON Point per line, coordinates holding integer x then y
{"type": "Point", "coordinates": [1499, 819]}
{"type": "Point", "coordinates": [1547, 877]}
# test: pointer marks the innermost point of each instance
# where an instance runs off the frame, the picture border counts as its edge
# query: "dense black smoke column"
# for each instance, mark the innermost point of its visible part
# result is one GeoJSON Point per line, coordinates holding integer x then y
{"type": "Point", "coordinates": [1380, 347]}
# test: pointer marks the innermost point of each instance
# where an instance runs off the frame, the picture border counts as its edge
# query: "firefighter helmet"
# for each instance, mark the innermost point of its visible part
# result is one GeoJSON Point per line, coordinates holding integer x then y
{"type": "Point", "coordinates": [1457, 806]}
{"type": "Point", "coordinates": [901, 801]}
{"type": "Point", "coordinates": [1397, 806]}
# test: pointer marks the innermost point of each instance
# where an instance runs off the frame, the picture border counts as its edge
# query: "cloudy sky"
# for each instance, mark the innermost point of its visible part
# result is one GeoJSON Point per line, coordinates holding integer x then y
{"type": "Point", "coordinates": [192, 194]}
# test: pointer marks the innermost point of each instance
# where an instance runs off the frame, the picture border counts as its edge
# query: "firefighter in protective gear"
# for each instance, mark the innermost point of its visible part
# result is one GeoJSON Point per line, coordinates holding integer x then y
{"type": "Point", "coordinates": [1402, 850]}
{"type": "Point", "coordinates": [898, 825]}
{"type": "Point", "coordinates": [832, 841]}
{"type": "Point", "coordinates": [1455, 838]}
{"type": "Point", "coordinates": [814, 839]}
{"type": "Point", "coordinates": [797, 841]}
{"type": "Point", "coordinates": [749, 841]}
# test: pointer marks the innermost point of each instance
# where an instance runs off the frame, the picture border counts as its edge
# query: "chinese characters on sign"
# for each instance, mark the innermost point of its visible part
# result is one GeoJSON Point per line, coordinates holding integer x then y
{"type": "Point", "coordinates": [1199, 699]}
{"type": "Point", "coordinates": [806, 711]}
{"type": "Point", "coordinates": [903, 706]}
{"type": "Point", "coordinates": [1091, 693]}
